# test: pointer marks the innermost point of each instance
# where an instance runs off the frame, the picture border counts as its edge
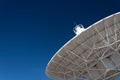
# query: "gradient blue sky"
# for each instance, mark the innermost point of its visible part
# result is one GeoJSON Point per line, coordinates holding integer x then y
{"type": "Point", "coordinates": [31, 31]}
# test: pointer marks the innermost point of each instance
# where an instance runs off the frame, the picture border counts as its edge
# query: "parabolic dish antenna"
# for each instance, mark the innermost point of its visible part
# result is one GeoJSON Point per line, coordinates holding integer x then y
{"type": "Point", "coordinates": [94, 54]}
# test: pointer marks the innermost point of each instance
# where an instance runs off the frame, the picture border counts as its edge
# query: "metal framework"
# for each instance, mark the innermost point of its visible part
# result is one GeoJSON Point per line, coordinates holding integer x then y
{"type": "Point", "coordinates": [92, 55]}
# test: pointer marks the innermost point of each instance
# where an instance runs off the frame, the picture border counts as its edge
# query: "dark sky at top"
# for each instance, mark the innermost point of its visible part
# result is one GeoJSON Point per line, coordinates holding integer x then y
{"type": "Point", "coordinates": [31, 31]}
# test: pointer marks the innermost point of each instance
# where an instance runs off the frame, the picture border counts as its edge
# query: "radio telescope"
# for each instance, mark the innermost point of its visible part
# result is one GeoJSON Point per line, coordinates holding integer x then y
{"type": "Point", "coordinates": [94, 54]}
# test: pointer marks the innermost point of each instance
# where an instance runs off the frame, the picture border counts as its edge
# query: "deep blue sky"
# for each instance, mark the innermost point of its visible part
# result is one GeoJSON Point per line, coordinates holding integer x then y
{"type": "Point", "coordinates": [31, 31]}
